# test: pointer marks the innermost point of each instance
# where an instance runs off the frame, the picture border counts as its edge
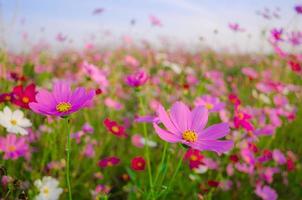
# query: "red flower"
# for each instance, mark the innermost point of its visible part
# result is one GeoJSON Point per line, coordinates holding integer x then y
{"type": "Point", "coordinates": [290, 165]}
{"type": "Point", "coordinates": [194, 157]}
{"type": "Point", "coordinates": [213, 183]}
{"type": "Point", "coordinates": [234, 99]}
{"type": "Point", "coordinates": [109, 162]}
{"type": "Point", "coordinates": [22, 97]}
{"type": "Point", "coordinates": [114, 128]}
{"type": "Point", "coordinates": [98, 91]}
{"type": "Point", "coordinates": [6, 97]}
{"type": "Point", "coordinates": [234, 158]}
{"type": "Point", "coordinates": [138, 163]}
{"type": "Point", "coordinates": [295, 66]}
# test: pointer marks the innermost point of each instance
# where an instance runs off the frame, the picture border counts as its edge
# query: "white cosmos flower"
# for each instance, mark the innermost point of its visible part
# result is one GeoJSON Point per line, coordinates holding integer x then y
{"type": "Point", "coordinates": [14, 121]}
{"type": "Point", "coordinates": [49, 188]}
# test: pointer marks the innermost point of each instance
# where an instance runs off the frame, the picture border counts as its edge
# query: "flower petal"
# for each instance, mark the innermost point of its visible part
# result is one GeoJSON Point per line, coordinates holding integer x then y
{"type": "Point", "coordinates": [199, 118]}
{"type": "Point", "coordinates": [218, 146]}
{"type": "Point", "coordinates": [181, 116]}
{"type": "Point", "coordinates": [214, 132]}
{"type": "Point", "coordinates": [165, 119]}
{"type": "Point", "coordinates": [165, 135]}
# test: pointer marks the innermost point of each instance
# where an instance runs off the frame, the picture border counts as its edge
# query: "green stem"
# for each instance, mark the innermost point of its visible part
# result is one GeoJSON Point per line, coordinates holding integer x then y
{"type": "Point", "coordinates": [146, 147]}
{"type": "Point", "coordinates": [68, 149]}
{"type": "Point", "coordinates": [161, 162]}
{"type": "Point", "coordinates": [170, 184]}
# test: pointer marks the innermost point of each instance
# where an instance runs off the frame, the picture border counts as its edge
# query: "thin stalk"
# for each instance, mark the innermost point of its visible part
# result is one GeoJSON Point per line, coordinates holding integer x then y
{"type": "Point", "coordinates": [68, 149]}
{"type": "Point", "coordinates": [147, 155]}
{"type": "Point", "coordinates": [171, 182]}
{"type": "Point", "coordinates": [161, 163]}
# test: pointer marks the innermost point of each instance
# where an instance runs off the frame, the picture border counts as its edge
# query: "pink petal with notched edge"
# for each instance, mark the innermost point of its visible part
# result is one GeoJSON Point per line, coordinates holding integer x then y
{"type": "Point", "coordinates": [199, 118]}
{"type": "Point", "coordinates": [214, 132]}
{"type": "Point", "coordinates": [61, 91]}
{"type": "Point", "coordinates": [219, 146]}
{"type": "Point", "coordinates": [46, 98]}
{"type": "Point", "coordinates": [181, 116]}
{"type": "Point", "coordinates": [165, 119]}
{"type": "Point", "coordinates": [165, 135]}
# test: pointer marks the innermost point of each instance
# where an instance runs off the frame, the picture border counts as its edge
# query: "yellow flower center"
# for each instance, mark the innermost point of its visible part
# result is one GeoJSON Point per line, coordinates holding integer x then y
{"type": "Point", "coordinates": [63, 107]}
{"type": "Point", "coordinates": [240, 116]}
{"type": "Point", "coordinates": [193, 158]}
{"type": "Point", "coordinates": [7, 98]}
{"type": "Point", "coordinates": [209, 106]}
{"type": "Point", "coordinates": [189, 136]}
{"type": "Point", "coordinates": [13, 122]}
{"type": "Point", "coordinates": [115, 129]}
{"type": "Point", "coordinates": [11, 148]}
{"type": "Point", "coordinates": [25, 99]}
{"type": "Point", "coordinates": [46, 190]}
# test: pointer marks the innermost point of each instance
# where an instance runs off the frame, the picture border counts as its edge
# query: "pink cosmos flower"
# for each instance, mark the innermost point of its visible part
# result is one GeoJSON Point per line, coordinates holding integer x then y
{"type": "Point", "coordinates": [137, 79]}
{"type": "Point", "coordinates": [187, 127]}
{"type": "Point", "coordinates": [137, 141]}
{"type": "Point", "coordinates": [250, 72]}
{"type": "Point", "coordinates": [295, 38]}
{"type": "Point", "coordinates": [236, 27]}
{"type": "Point", "coordinates": [279, 157]}
{"type": "Point", "coordinates": [111, 103]}
{"type": "Point", "coordinates": [131, 61]}
{"type": "Point", "coordinates": [266, 192]}
{"type": "Point", "coordinates": [213, 104]}
{"type": "Point", "coordinates": [95, 74]}
{"type": "Point", "coordinates": [13, 147]}
{"type": "Point", "coordinates": [155, 21]}
{"type": "Point", "coordinates": [61, 101]}
{"type": "Point", "coordinates": [60, 37]}
{"type": "Point", "coordinates": [87, 128]}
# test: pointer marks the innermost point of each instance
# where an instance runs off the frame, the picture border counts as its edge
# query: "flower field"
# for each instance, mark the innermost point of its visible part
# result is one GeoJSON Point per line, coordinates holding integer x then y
{"type": "Point", "coordinates": [137, 122]}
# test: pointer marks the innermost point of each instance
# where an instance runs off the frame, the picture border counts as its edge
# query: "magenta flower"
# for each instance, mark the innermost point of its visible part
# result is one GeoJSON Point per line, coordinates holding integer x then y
{"type": "Point", "coordinates": [109, 161]}
{"type": "Point", "coordinates": [187, 127]}
{"type": "Point", "coordinates": [211, 103]}
{"type": "Point", "coordinates": [266, 192]}
{"type": "Point", "coordinates": [276, 34]}
{"type": "Point", "coordinates": [236, 27]}
{"type": "Point", "coordinates": [13, 147]}
{"type": "Point", "coordinates": [137, 79]}
{"type": "Point", "coordinates": [61, 101]}
{"type": "Point", "coordinates": [298, 9]}
{"type": "Point", "coordinates": [279, 157]}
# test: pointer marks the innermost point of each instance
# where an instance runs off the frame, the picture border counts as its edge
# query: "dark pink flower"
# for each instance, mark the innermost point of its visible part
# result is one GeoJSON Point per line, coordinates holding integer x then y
{"type": "Point", "coordinates": [61, 101]}
{"type": "Point", "coordinates": [298, 9]}
{"type": "Point", "coordinates": [138, 163]}
{"type": "Point", "coordinates": [109, 162]}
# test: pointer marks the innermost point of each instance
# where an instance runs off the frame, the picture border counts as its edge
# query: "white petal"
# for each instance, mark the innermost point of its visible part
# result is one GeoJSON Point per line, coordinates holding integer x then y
{"type": "Point", "coordinates": [24, 122]}
{"type": "Point", "coordinates": [7, 112]}
{"type": "Point", "coordinates": [18, 114]}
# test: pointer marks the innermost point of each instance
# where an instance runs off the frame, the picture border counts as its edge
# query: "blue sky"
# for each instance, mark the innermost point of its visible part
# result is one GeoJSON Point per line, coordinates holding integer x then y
{"type": "Point", "coordinates": [184, 21]}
